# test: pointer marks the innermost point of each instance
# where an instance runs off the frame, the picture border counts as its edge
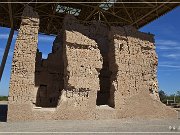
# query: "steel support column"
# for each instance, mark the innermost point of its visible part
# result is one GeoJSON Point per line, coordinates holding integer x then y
{"type": "Point", "coordinates": [3, 62]}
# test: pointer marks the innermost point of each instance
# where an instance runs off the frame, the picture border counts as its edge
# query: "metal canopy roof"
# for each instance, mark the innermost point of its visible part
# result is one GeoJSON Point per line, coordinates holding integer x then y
{"type": "Point", "coordinates": [110, 12]}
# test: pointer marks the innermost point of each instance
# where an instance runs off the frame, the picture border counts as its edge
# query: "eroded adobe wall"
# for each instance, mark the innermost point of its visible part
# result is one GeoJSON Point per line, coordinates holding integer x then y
{"type": "Point", "coordinates": [90, 65]}
{"type": "Point", "coordinates": [133, 63]}
{"type": "Point", "coordinates": [23, 66]}
{"type": "Point", "coordinates": [98, 32]}
{"type": "Point", "coordinates": [82, 64]}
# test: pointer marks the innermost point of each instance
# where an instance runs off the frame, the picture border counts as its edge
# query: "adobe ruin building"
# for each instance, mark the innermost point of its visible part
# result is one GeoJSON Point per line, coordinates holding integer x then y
{"type": "Point", "coordinates": [93, 72]}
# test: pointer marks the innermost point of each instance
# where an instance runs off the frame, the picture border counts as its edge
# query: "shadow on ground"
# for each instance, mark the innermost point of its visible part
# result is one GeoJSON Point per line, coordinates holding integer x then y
{"type": "Point", "coordinates": [3, 112]}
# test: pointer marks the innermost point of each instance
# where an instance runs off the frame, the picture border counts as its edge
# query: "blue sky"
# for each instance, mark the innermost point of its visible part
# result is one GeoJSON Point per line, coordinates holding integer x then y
{"type": "Point", "coordinates": [167, 37]}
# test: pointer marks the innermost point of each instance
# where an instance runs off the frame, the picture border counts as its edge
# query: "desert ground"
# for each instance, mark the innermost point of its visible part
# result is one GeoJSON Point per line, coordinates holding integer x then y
{"type": "Point", "coordinates": [121, 126]}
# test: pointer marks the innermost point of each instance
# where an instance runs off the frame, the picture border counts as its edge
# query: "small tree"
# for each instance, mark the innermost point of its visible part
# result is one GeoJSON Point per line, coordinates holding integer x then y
{"type": "Point", "coordinates": [162, 96]}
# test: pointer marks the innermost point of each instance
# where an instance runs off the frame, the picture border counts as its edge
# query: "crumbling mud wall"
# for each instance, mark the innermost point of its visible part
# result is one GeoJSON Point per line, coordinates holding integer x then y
{"type": "Point", "coordinates": [23, 66]}
{"type": "Point", "coordinates": [82, 64]}
{"type": "Point", "coordinates": [93, 72]}
{"type": "Point", "coordinates": [134, 86]}
{"type": "Point", "coordinates": [98, 32]}
{"type": "Point", "coordinates": [133, 63]}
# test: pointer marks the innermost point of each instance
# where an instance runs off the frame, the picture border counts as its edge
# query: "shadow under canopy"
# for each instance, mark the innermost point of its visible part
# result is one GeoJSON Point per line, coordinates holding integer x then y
{"type": "Point", "coordinates": [3, 112]}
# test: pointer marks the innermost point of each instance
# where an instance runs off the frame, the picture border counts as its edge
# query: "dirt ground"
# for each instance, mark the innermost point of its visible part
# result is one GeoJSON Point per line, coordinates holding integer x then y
{"type": "Point", "coordinates": [92, 127]}
{"type": "Point", "coordinates": [64, 127]}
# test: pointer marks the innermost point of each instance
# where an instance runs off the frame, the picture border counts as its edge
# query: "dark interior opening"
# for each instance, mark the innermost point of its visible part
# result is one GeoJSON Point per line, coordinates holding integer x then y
{"type": "Point", "coordinates": [104, 94]}
{"type": "Point", "coordinates": [3, 112]}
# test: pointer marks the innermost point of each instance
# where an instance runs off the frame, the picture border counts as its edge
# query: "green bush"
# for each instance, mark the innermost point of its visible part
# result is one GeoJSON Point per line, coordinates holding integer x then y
{"type": "Point", "coordinates": [3, 98]}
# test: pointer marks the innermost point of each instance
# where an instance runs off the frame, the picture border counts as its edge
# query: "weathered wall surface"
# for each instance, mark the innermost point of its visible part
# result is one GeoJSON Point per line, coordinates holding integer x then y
{"type": "Point", "coordinates": [82, 64]}
{"type": "Point", "coordinates": [23, 66]}
{"type": "Point", "coordinates": [133, 62]}
{"type": "Point", "coordinates": [90, 65]}
{"type": "Point", "coordinates": [97, 32]}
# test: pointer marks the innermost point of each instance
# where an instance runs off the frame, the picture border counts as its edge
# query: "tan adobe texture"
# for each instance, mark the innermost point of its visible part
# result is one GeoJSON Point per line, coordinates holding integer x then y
{"type": "Point", "coordinates": [93, 72]}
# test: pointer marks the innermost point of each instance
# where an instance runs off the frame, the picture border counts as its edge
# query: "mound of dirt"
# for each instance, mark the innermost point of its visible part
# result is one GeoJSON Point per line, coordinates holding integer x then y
{"type": "Point", "coordinates": [143, 106]}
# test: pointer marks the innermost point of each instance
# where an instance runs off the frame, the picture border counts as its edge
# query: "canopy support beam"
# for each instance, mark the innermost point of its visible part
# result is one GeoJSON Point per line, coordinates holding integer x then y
{"type": "Point", "coordinates": [3, 62]}
{"type": "Point", "coordinates": [8, 45]}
